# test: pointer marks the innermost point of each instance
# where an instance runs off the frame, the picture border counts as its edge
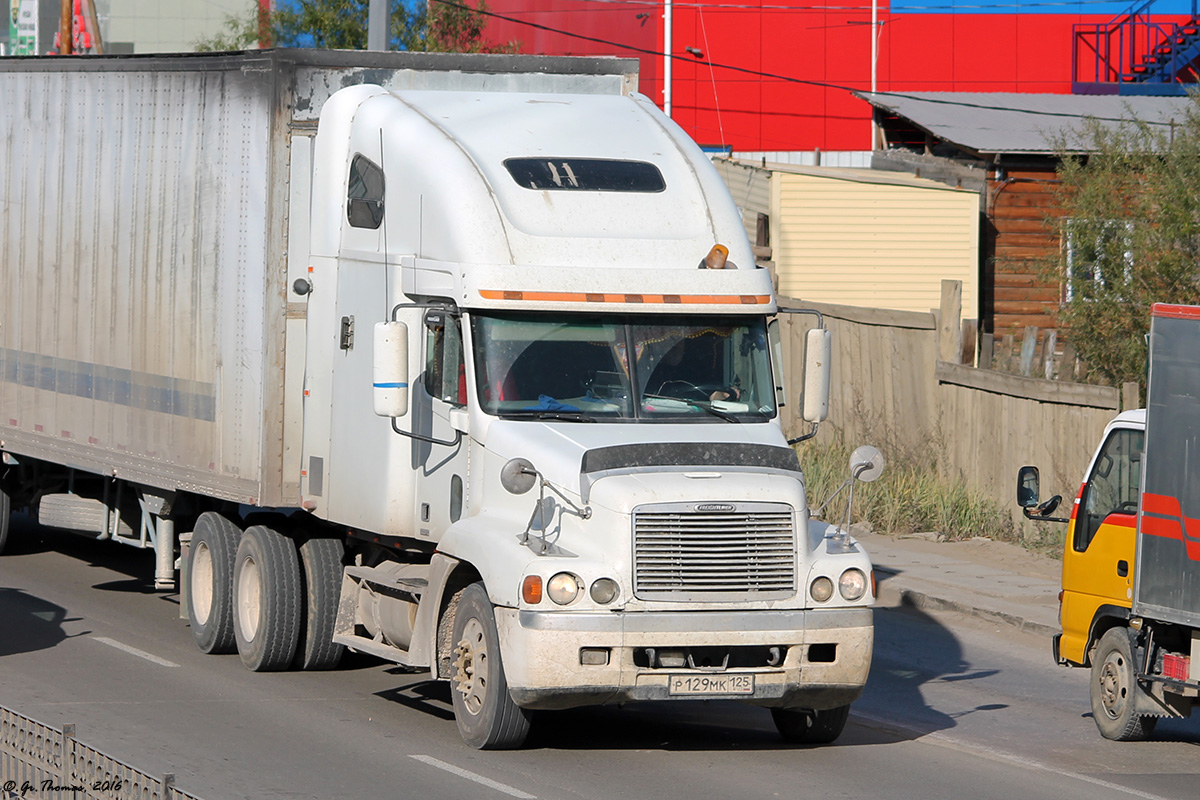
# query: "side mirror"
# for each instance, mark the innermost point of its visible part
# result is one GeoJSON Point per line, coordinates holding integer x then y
{"type": "Point", "coordinates": [390, 369]}
{"type": "Point", "coordinates": [818, 346]}
{"type": "Point", "coordinates": [866, 463]}
{"type": "Point", "coordinates": [1028, 487]}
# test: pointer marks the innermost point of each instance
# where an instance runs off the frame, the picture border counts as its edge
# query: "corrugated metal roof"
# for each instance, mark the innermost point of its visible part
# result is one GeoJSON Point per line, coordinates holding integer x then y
{"type": "Point", "coordinates": [1008, 122]}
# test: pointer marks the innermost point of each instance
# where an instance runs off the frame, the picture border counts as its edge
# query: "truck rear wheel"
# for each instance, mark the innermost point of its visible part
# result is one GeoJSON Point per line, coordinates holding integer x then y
{"type": "Point", "coordinates": [809, 726]}
{"type": "Point", "coordinates": [1115, 689]}
{"type": "Point", "coordinates": [266, 599]}
{"type": "Point", "coordinates": [210, 581]}
{"type": "Point", "coordinates": [321, 560]}
{"type": "Point", "coordinates": [487, 717]}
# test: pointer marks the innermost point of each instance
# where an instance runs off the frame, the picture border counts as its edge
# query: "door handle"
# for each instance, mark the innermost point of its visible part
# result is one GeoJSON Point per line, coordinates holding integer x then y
{"type": "Point", "coordinates": [1123, 568]}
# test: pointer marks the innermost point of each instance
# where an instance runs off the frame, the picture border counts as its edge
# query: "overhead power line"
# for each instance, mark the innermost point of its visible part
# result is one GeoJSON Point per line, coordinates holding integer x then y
{"type": "Point", "coordinates": [786, 78]}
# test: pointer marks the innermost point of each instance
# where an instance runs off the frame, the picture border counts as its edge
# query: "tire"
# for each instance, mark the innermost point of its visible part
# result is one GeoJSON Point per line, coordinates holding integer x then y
{"type": "Point", "coordinates": [487, 717]}
{"type": "Point", "coordinates": [267, 605]}
{"type": "Point", "coordinates": [807, 726]}
{"type": "Point", "coordinates": [210, 582]}
{"type": "Point", "coordinates": [5, 517]}
{"type": "Point", "coordinates": [321, 573]}
{"type": "Point", "coordinates": [1115, 690]}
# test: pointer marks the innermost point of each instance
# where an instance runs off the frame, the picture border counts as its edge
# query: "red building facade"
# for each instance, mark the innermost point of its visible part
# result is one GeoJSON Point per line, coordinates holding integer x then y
{"type": "Point", "coordinates": [765, 75]}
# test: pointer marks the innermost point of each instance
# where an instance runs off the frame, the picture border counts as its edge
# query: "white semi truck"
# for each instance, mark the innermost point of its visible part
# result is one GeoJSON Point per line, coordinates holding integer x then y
{"type": "Point", "coordinates": [460, 361]}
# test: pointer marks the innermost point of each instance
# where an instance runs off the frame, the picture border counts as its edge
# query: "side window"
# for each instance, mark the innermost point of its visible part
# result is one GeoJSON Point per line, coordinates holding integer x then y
{"type": "Point", "coordinates": [1113, 485]}
{"type": "Point", "coordinates": [364, 194]}
{"type": "Point", "coordinates": [444, 366]}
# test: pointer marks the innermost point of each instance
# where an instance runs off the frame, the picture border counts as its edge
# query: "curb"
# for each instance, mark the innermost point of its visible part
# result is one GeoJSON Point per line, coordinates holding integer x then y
{"type": "Point", "coordinates": [927, 602]}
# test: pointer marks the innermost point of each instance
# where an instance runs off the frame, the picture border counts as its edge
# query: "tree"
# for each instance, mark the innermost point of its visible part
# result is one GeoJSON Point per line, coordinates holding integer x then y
{"type": "Point", "coordinates": [342, 25]}
{"type": "Point", "coordinates": [1130, 195]}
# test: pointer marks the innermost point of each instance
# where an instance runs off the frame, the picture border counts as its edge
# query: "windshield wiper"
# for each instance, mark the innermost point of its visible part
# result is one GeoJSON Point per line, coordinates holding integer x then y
{"type": "Point", "coordinates": [566, 416]}
{"type": "Point", "coordinates": [716, 412]}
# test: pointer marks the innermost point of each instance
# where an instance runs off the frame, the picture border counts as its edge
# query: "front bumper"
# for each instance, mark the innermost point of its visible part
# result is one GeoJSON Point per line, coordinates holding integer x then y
{"type": "Point", "coordinates": [826, 662]}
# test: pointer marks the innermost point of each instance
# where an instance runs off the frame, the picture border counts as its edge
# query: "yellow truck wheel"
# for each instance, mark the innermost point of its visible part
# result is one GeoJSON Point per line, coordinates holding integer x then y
{"type": "Point", "coordinates": [1115, 689]}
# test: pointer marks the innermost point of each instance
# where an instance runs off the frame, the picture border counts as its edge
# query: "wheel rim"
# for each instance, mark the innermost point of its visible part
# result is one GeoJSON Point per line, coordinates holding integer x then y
{"type": "Point", "coordinates": [1114, 692]}
{"type": "Point", "coordinates": [249, 598]}
{"type": "Point", "coordinates": [202, 583]}
{"type": "Point", "coordinates": [471, 658]}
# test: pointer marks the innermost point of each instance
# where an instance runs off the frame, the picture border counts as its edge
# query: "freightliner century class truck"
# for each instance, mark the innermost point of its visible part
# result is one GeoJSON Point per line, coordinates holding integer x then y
{"type": "Point", "coordinates": [463, 362]}
{"type": "Point", "coordinates": [1131, 565]}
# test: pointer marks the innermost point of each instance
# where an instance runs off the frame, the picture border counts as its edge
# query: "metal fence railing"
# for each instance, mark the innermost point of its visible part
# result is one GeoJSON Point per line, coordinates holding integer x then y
{"type": "Point", "coordinates": [44, 763]}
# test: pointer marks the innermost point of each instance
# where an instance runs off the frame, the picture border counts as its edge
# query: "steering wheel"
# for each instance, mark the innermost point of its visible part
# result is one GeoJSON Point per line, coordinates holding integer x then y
{"type": "Point", "coordinates": [684, 390]}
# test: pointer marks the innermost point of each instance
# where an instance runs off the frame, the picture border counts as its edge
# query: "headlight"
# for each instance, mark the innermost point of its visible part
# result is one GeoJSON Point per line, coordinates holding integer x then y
{"type": "Point", "coordinates": [563, 588]}
{"type": "Point", "coordinates": [821, 589]}
{"type": "Point", "coordinates": [605, 590]}
{"type": "Point", "coordinates": [852, 584]}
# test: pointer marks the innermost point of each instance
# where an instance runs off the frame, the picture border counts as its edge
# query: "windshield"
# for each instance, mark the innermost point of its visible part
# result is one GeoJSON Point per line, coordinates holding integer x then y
{"type": "Point", "coordinates": [641, 367]}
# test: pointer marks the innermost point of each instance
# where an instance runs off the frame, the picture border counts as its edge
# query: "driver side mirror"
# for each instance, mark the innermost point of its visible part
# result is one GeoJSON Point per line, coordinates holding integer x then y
{"type": "Point", "coordinates": [1028, 487]}
{"type": "Point", "coordinates": [390, 369]}
{"type": "Point", "coordinates": [818, 347]}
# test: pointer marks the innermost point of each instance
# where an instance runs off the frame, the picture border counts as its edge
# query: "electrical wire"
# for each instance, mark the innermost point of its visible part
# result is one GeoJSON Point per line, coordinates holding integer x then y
{"type": "Point", "coordinates": [1016, 4]}
{"type": "Point", "coordinates": [788, 78]}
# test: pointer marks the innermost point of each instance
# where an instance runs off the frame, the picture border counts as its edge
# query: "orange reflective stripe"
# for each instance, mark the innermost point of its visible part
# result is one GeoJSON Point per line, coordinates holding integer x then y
{"type": "Point", "coordinates": [592, 297]}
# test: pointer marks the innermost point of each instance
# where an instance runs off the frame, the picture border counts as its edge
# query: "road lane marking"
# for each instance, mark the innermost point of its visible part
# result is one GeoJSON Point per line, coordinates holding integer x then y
{"type": "Point", "coordinates": [471, 776]}
{"type": "Point", "coordinates": [162, 662]}
{"type": "Point", "coordinates": [942, 740]}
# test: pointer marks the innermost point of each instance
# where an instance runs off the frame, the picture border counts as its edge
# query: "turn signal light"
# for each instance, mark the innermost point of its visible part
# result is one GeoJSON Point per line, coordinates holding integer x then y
{"type": "Point", "coordinates": [531, 589]}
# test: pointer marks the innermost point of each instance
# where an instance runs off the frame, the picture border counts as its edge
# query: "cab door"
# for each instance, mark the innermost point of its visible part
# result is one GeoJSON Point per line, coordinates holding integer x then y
{"type": "Point", "coordinates": [440, 419]}
{"type": "Point", "coordinates": [1101, 540]}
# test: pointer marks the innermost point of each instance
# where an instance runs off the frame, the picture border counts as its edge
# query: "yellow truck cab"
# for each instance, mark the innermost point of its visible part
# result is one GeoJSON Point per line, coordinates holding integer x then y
{"type": "Point", "coordinates": [1098, 556]}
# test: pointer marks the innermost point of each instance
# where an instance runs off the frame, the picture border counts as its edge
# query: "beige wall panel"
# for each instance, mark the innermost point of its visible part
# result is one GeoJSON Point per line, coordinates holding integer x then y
{"type": "Point", "coordinates": [875, 245]}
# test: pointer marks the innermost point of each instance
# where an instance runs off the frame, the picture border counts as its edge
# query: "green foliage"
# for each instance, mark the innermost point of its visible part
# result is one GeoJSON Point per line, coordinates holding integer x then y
{"type": "Point", "coordinates": [910, 497]}
{"type": "Point", "coordinates": [458, 28]}
{"type": "Point", "coordinates": [342, 25]}
{"type": "Point", "coordinates": [240, 33]}
{"type": "Point", "coordinates": [1131, 235]}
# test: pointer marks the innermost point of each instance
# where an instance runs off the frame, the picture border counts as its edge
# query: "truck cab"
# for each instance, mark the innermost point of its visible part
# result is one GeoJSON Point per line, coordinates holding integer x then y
{"type": "Point", "coordinates": [1098, 555]}
{"type": "Point", "coordinates": [1130, 602]}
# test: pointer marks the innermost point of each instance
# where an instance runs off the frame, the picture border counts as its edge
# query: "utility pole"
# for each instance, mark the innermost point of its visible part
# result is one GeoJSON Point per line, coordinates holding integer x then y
{"type": "Point", "coordinates": [65, 27]}
{"type": "Point", "coordinates": [667, 57]}
{"type": "Point", "coordinates": [379, 24]}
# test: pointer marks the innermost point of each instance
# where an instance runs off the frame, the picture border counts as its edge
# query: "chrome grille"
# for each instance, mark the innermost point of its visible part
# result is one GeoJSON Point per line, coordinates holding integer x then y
{"type": "Point", "coordinates": [686, 551]}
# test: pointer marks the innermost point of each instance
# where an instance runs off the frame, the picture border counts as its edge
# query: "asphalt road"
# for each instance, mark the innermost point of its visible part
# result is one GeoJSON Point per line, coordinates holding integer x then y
{"type": "Point", "coordinates": [955, 708]}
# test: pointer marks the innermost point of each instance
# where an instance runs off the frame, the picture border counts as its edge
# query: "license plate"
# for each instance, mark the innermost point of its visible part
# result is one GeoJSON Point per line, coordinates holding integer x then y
{"type": "Point", "coordinates": [704, 685]}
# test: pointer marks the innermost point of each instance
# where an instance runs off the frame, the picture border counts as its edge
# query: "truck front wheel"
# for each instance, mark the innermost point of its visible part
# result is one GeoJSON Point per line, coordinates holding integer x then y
{"type": "Point", "coordinates": [210, 579]}
{"type": "Point", "coordinates": [487, 717]}
{"type": "Point", "coordinates": [808, 726]}
{"type": "Point", "coordinates": [266, 599]}
{"type": "Point", "coordinates": [1115, 689]}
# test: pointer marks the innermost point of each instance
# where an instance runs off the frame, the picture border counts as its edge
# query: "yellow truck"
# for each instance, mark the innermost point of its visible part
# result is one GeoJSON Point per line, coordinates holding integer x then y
{"type": "Point", "coordinates": [1130, 599]}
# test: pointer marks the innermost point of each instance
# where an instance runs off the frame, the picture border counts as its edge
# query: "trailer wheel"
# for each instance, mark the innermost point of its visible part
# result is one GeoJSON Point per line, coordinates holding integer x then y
{"type": "Point", "coordinates": [210, 582]}
{"type": "Point", "coordinates": [487, 717]}
{"type": "Point", "coordinates": [808, 726]}
{"type": "Point", "coordinates": [5, 517]}
{"type": "Point", "coordinates": [266, 599]}
{"type": "Point", "coordinates": [1115, 690]}
{"type": "Point", "coordinates": [321, 560]}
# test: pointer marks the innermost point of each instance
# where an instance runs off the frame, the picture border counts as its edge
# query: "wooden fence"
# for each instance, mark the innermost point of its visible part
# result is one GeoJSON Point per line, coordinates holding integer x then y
{"type": "Point", "coordinates": [897, 383]}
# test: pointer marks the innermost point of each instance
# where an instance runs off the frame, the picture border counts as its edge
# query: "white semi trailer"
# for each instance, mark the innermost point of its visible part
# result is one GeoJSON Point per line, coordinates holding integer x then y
{"type": "Point", "coordinates": [460, 361]}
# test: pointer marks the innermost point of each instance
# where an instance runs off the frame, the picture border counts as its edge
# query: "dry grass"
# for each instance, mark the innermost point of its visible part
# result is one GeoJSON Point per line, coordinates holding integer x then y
{"type": "Point", "coordinates": [910, 497]}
